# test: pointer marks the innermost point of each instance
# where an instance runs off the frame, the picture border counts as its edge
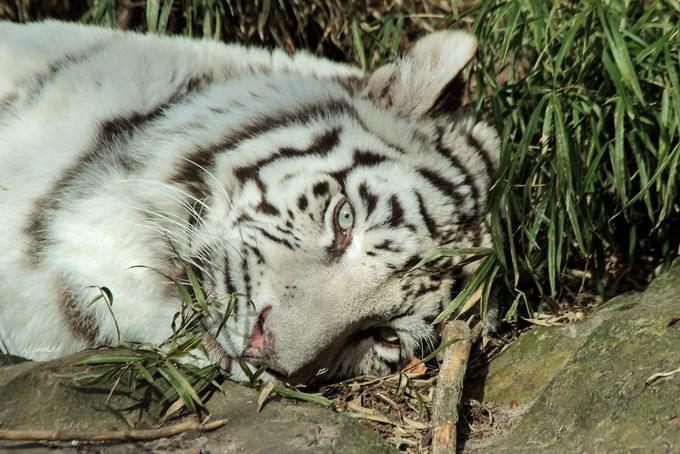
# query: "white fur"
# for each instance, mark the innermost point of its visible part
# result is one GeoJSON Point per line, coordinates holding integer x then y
{"type": "Point", "coordinates": [63, 85]}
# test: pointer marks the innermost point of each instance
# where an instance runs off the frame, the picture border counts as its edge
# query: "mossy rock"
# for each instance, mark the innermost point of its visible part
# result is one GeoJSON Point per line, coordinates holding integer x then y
{"type": "Point", "coordinates": [42, 396]}
{"type": "Point", "coordinates": [586, 386]}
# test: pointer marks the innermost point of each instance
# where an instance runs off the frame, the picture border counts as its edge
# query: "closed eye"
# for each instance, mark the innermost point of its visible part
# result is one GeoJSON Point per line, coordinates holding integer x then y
{"type": "Point", "coordinates": [387, 337]}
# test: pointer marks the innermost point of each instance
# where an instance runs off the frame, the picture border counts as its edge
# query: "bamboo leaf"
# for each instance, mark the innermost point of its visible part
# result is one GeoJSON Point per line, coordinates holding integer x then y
{"type": "Point", "coordinates": [619, 50]}
{"type": "Point", "coordinates": [181, 385]}
{"type": "Point", "coordinates": [299, 395]}
{"type": "Point", "coordinates": [359, 45]}
{"type": "Point", "coordinates": [197, 290]}
{"type": "Point", "coordinates": [480, 276]}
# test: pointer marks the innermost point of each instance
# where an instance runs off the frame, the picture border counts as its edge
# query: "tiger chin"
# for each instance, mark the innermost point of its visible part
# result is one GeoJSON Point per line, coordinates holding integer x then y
{"type": "Point", "coordinates": [302, 188]}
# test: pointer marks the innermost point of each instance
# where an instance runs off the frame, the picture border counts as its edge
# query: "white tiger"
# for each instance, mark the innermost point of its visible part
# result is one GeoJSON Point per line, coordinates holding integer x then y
{"type": "Point", "coordinates": [304, 187]}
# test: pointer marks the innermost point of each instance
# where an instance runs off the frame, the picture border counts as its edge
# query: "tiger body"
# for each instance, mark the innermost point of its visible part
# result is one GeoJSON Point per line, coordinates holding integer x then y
{"type": "Point", "coordinates": [302, 188]}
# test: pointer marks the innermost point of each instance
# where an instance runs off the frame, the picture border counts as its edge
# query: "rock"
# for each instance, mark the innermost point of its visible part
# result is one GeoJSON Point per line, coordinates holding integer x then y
{"type": "Point", "coordinates": [585, 387]}
{"type": "Point", "coordinates": [40, 396]}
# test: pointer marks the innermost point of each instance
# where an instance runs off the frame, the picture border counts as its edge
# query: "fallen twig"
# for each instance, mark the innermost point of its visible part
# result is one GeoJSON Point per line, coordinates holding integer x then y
{"type": "Point", "coordinates": [449, 386]}
{"type": "Point", "coordinates": [658, 375]}
{"type": "Point", "coordinates": [189, 425]}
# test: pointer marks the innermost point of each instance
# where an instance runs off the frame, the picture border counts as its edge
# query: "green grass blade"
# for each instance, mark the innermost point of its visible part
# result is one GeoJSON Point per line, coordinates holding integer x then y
{"type": "Point", "coordinates": [299, 395]}
{"type": "Point", "coordinates": [181, 385]}
{"type": "Point", "coordinates": [359, 46]}
{"type": "Point", "coordinates": [110, 358]}
{"type": "Point", "coordinates": [152, 12]}
{"type": "Point", "coordinates": [197, 290]}
{"type": "Point", "coordinates": [482, 273]}
{"type": "Point", "coordinates": [619, 50]}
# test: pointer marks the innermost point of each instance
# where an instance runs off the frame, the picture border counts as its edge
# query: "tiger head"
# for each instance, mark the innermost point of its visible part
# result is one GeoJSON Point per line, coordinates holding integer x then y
{"type": "Point", "coordinates": [320, 209]}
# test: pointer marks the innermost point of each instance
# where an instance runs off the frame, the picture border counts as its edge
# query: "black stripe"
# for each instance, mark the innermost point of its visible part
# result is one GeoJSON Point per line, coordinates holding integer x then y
{"type": "Point", "coordinates": [334, 251]}
{"type": "Point", "coordinates": [37, 229]}
{"type": "Point", "coordinates": [351, 84]}
{"type": "Point", "coordinates": [41, 79]}
{"type": "Point", "coordinates": [368, 158]}
{"type": "Point", "coordinates": [8, 101]}
{"type": "Point", "coordinates": [302, 203]}
{"type": "Point", "coordinates": [429, 222]}
{"type": "Point", "coordinates": [387, 245]}
{"type": "Point", "coordinates": [230, 286]}
{"type": "Point", "coordinates": [80, 321]}
{"type": "Point", "coordinates": [246, 276]}
{"type": "Point", "coordinates": [483, 154]}
{"type": "Point", "coordinates": [267, 208]}
{"type": "Point", "coordinates": [288, 232]}
{"type": "Point", "coordinates": [443, 185]}
{"type": "Point", "coordinates": [423, 289]}
{"type": "Point", "coordinates": [424, 139]}
{"type": "Point", "coordinates": [468, 179]}
{"type": "Point", "coordinates": [190, 175]}
{"type": "Point", "coordinates": [258, 254]}
{"type": "Point", "coordinates": [370, 200]}
{"type": "Point", "coordinates": [397, 216]}
{"type": "Point", "coordinates": [411, 262]}
{"type": "Point", "coordinates": [243, 217]}
{"type": "Point", "coordinates": [110, 137]}
{"type": "Point", "coordinates": [320, 146]}
{"type": "Point", "coordinates": [320, 189]}
{"type": "Point", "coordinates": [325, 207]}
{"type": "Point", "coordinates": [277, 240]}
{"type": "Point", "coordinates": [360, 159]}
{"type": "Point", "coordinates": [340, 176]}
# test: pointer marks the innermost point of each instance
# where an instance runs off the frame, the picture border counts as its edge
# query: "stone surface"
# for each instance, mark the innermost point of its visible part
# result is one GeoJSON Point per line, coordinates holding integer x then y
{"type": "Point", "coordinates": [584, 387]}
{"type": "Point", "coordinates": [39, 396]}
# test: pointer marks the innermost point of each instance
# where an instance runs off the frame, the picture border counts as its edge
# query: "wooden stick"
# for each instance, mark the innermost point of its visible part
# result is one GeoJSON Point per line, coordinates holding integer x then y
{"type": "Point", "coordinates": [117, 435]}
{"type": "Point", "coordinates": [450, 386]}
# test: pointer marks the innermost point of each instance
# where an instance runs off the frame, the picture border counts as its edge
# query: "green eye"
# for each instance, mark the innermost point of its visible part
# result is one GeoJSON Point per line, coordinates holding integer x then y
{"type": "Point", "coordinates": [344, 216]}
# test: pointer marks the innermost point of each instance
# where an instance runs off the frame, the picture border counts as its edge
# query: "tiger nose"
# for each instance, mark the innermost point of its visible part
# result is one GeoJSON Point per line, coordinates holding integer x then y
{"type": "Point", "coordinates": [256, 343]}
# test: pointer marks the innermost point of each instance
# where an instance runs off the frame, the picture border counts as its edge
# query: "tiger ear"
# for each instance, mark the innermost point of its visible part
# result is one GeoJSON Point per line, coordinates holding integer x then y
{"type": "Point", "coordinates": [427, 80]}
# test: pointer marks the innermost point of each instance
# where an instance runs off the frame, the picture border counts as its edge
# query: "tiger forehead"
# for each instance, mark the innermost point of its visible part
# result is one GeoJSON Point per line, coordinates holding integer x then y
{"type": "Point", "coordinates": [339, 144]}
{"type": "Point", "coordinates": [338, 137]}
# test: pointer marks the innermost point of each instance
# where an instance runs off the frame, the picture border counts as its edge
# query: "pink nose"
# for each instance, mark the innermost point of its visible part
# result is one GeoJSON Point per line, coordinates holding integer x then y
{"type": "Point", "coordinates": [256, 340]}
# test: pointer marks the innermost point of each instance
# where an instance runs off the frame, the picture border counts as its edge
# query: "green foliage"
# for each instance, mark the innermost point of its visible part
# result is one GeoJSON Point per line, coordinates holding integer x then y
{"type": "Point", "coordinates": [585, 95]}
{"type": "Point", "coordinates": [156, 379]}
{"type": "Point", "coordinates": [161, 378]}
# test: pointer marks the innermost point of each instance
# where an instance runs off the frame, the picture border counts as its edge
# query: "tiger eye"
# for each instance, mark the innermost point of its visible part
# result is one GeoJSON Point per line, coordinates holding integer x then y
{"type": "Point", "coordinates": [344, 216]}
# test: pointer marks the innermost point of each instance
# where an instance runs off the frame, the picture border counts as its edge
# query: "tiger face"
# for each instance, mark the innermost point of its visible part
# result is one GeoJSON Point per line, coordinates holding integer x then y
{"type": "Point", "coordinates": [303, 191]}
{"type": "Point", "coordinates": [330, 204]}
